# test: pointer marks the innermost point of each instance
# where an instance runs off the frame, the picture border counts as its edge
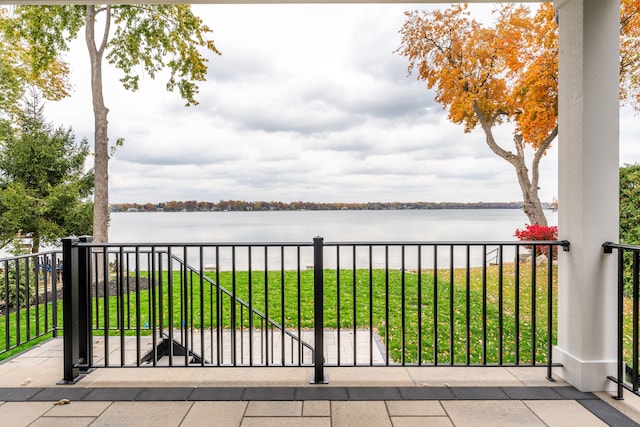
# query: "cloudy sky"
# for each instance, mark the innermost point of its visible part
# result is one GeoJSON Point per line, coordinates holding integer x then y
{"type": "Point", "coordinates": [307, 102]}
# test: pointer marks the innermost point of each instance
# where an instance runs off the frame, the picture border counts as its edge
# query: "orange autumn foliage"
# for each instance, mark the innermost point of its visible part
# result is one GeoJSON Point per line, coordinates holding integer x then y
{"type": "Point", "coordinates": [509, 71]}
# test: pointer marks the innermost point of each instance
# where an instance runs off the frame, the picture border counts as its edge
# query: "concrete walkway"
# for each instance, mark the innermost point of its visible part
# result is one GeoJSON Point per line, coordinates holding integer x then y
{"type": "Point", "coordinates": [362, 396]}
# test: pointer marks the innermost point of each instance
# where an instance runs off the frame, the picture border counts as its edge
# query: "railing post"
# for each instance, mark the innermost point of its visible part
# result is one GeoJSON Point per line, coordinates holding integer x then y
{"type": "Point", "coordinates": [85, 331]}
{"type": "Point", "coordinates": [318, 312]}
{"type": "Point", "coordinates": [70, 311]}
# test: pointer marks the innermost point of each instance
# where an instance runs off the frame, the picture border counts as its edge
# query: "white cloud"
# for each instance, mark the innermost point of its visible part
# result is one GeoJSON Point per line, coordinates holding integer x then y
{"type": "Point", "coordinates": [307, 102]}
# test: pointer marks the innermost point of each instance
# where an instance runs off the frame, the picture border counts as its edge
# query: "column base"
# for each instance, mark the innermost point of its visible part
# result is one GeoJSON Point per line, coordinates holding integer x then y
{"type": "Point", "coordinates": [585, 375]}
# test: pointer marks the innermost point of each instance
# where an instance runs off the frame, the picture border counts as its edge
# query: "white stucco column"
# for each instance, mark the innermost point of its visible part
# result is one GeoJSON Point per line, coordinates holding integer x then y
{"type": "Point", "coordinates": [588, 190]}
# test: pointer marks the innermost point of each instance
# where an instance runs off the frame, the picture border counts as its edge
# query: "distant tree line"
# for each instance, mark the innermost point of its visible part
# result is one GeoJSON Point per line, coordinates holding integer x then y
{"type": "Point", "coordinates": [241, 205]}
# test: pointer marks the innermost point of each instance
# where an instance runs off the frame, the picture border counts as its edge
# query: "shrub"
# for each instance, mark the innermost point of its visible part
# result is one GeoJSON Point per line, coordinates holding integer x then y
{"type": "Point", "coordinates": [534, 232]}
{"type": "Point", "coordinates": [629, 217]}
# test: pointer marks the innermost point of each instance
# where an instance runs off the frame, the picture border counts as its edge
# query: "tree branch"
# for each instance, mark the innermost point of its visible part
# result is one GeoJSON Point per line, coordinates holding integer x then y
{"type": "Point", "coordinates": [105, 34]}
{"type": "Point", "coordinates": [491, 142]}
{"type": "Point", "coordinates": [535, 174]}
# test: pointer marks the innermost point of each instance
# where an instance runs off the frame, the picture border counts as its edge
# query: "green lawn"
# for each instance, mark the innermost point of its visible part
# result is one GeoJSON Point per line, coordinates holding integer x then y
{"type": "Point", "coordinates": [380, 301]}
{"type": "Point", "coordinates": [360, 300]}
{"type": "Point", "coordinates": [24, 328]}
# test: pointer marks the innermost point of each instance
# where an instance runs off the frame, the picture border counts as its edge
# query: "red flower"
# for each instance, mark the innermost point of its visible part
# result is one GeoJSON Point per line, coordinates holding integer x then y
{"type": "Point", "coordinates": [534, 232]}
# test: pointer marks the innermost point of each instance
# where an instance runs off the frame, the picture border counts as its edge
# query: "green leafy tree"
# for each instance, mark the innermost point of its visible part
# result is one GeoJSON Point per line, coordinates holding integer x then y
{"type": "Point", "coordinates": [23, 66]}
{"type": "Point", "coordinates": [629, 216]}
{"type": "Point", "coordinates": [135, 39]}
{"type": "Point", "coordinates": [44, 188]}
{"type": "Point", "coordinates": [630, 204]}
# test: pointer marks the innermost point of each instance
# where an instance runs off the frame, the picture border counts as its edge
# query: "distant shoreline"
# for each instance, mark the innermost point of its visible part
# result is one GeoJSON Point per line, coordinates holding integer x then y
{"type": "Point", "coordinates": [242, 206]}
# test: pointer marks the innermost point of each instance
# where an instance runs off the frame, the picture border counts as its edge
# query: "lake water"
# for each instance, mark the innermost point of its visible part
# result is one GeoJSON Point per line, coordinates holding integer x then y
{"type": "Point", "coordinates": [335, 226]}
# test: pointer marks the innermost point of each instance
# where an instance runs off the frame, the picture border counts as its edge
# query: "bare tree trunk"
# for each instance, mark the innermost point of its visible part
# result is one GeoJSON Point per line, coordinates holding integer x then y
{"type": "Point", "coordinates": [529, 186]}
{"type": "Point", "coordinates": [100, 111]}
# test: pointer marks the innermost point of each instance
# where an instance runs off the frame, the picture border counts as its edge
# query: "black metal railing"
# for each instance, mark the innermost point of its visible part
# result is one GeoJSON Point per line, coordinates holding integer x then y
{"type": "Point", "coordinates": [29, 286]}
{"type": "Point", "coordinates": [628, 333]}
{"type": "Point", "coordinates": [309, 304]}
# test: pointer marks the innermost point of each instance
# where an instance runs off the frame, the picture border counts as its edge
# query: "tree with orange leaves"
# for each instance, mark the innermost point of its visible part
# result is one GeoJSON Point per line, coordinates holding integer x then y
{"type": "Point", "coordinates": [488, 76]}
{"type": "Point", "coordinates": [630, 52]}
{"type": "Point", "coordinates": [508, 73]}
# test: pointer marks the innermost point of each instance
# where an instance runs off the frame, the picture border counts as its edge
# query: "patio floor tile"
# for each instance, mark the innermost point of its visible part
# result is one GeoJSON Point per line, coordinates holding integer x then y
{"type": "Point", "coordinates": [217, 393]}
{"type": "Point", "coordinates": [286, 422]}
{"type": "Point", "coordinates": [374, 393]}
{"type": "Point", "coordinates": [62, 422]}
{"type": "Point", "coordinates": [223, 414]}
{"type": "Point", "coordinates": [22, 413]}
{"type": "Point", "coordinates": [55, 394]}
{"type": "Point", "coordinates": [532, 393]}
{"type": "Point", "coordinates": [272, 393]}
{"type": "Point", "coordinates": [371, 414]}
{"type": "Point", "coordinates": [426, 393]}
{"type": "Point", "coordinates": [165, 394]}
{"type": "Point", "coordinates": [322, 393]}
{"type": "Point", "coordinates": [143, 414]}
{"type": "Point", "coordinates": [415, 408]}
{"type": "Point", "coordinates": [607, 413]}
{"type": "Point", "coordinates": [12, 394]}
{"type": "Point", "coordinates": [274, 409]}
{"type": "Point", "coordinates": [563, 412]}
{"type": "Point", "coordinates": [479, 393]}
{"type": "Point", "coordinates": [421, 421]}
{"type": "Point", "coordinates": [316, 408]}
{"type": "Point", "coordinates": [492, 413]}
{"type": "Point", "coordinates": [78, 409]}
{"type": "Point", "coordinates": [113, 393]}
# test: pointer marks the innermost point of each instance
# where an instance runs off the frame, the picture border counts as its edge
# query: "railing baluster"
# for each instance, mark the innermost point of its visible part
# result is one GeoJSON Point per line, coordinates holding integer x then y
{"type": "Point", "coordinates": [54, 300]}
{"type": "Point", "coordinates": [621, 372]}
{"type": "Point", "coordinates": [105, 294]}
{"type": "Point", "coordinates": [403, 290]}
{"type": "Point", "coordinates": [282, 306]}
{"type": "Point", "coordinates": [170, 325]}
{"type": "Point", "coordinates": [153, 305]}
{"type": "Point", "coordinates": [534, 308]}
{"type": "Point", "coordinates": [468, 305]}
{"type": "Point", "coordinates": [550, 306]}
{"type": "Point", "coordinates": [435, 305]}
{"type": "Point", "coordinates": [419, 349]}
{"type": "Point", "coordinates": [250, 291]}
{"type": "Point", "coordinates": [500, 307]}
{"type": "Point", "coordinates": [387, 327]}
{"type": "Point", "coordinates": [138, 317]}
{"type": "Point", "coordinates": [636, 298]}
{"type": "Point", "coordinates": [370, 296]}
{"type": "Point", "coordinates": [266, 304]}
{"type": "Point", "coordinates": [484, 304]}
{"type": "Point", "coordinates": [451, 307]}
{"type": "Point", "coordinates": [516, 333]}
{"type": "Point", "coordinates": [318, 311]}
{"type": "Point", "coordinates": [339, 309]}
{"type": "Point", "coordinates": [299, 283]}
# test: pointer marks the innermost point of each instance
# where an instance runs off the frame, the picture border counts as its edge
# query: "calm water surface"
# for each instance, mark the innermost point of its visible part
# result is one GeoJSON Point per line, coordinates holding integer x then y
{"type": "Point", "coordinates": [302, 226]}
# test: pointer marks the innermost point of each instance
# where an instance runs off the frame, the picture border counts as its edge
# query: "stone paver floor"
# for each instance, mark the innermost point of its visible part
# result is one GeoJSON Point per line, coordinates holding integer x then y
{"type": "Point", "coordinates": [361, 396]}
